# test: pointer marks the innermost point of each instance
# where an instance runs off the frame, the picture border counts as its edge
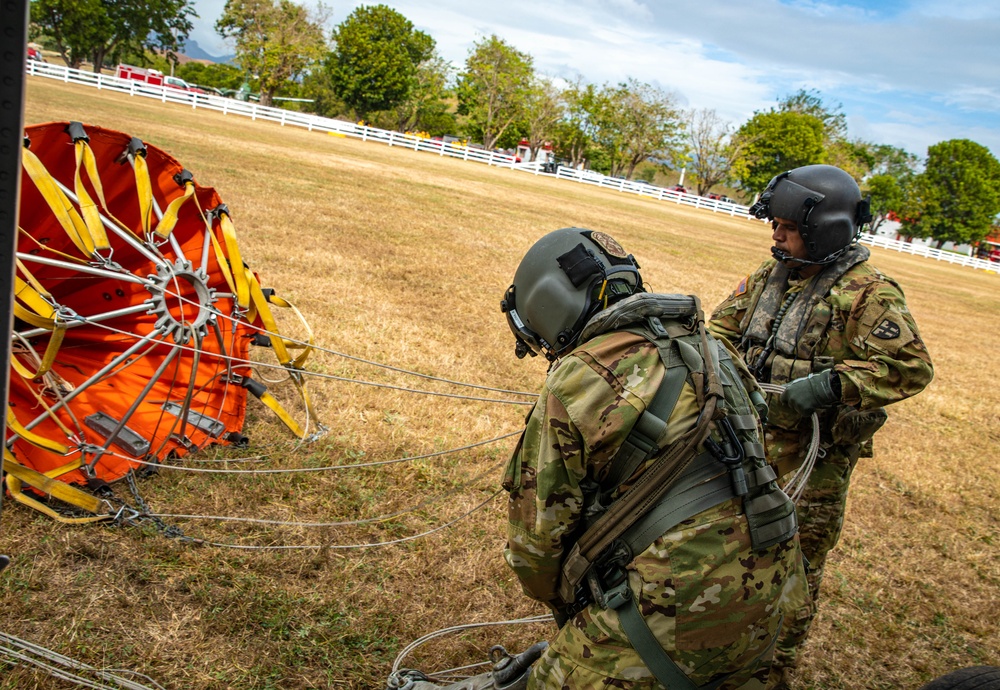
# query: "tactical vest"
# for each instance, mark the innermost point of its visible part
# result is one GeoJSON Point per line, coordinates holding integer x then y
{"type": "Point", "coordinates": [790, 350]}
{"type": "Point", "coordinates": [726, 463]}
{"type": "Point", "coordinates": [782, 354]}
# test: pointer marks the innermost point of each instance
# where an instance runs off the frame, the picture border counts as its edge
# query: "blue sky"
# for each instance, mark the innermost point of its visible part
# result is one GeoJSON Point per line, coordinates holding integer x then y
{"type": "Point", "coordinates": [909, 73]}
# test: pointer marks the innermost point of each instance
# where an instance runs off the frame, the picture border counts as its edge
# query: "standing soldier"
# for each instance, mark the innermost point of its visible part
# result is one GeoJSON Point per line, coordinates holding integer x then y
{"type": "Point", "coordinates": [641, 508]}
{"type": "Point", "coordinates": [832, 329]}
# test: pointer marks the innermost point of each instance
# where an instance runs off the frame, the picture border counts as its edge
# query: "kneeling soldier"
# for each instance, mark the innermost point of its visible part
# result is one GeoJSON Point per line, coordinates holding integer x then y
{"type": "Point", "coordinates": [641, 510]}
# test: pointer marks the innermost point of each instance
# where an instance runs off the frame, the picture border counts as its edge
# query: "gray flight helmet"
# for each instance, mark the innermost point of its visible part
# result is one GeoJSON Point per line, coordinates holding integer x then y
{"type": "Point", "coordinates": [824, 202]}
{"type": "Point", "coordinates": [563, 280]}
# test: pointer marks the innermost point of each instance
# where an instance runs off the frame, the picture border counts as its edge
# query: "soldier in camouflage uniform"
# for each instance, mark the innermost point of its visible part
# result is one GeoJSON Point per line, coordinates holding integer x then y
{"type": "Point", "coordinates": [836, 332]}
{"type": "Point", "coordinates": [710, 599]}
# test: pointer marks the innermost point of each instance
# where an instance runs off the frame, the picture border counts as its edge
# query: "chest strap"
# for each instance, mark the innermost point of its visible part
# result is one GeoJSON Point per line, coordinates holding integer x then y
{"type": "Point", "coordinates": [705, 483]}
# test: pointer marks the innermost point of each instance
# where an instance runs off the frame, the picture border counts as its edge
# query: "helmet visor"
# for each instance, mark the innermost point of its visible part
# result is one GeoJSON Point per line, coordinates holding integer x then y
{"type": "Point", "coordinates": [793, 201]}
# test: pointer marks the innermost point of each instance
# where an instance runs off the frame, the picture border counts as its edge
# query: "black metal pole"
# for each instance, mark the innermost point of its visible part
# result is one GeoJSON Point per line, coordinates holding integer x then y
{"type": "Point", "coordinates": [14, 30]}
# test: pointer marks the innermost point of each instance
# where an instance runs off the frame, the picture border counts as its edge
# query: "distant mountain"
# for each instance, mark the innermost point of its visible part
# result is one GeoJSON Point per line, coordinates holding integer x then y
{"type": "Point", "coordinates": [195, 52]}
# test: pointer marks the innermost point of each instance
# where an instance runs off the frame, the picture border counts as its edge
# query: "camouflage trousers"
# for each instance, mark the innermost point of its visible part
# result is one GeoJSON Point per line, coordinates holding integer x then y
{"type": "Point", "coordinates": [559, 671]}
{"type": "Point", "coordinates": [821, 519]}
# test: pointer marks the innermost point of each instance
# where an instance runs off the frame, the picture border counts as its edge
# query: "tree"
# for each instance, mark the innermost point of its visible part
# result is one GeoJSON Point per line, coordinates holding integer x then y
{"type": "Point", "coordinates": [712, 152]}
{"type": "Point", "coordinates": [893, 171]}
{"type": "Point", "coordinates": [892, 160]}
{"type": "Point", "coordinates": [493, 88]}
{"type": "Point", "coordinates": [887, 196]}
{"type": "Point", "coordinates": [214, 74]}
{"type": "Point", "coordinates": [957, 197]}
{"type": "Point", "coordinates": [854, 157]}
{"type": "Point", "coordinates": [276, 40]}
{"type": "Point", "coordinates": [376, 57]}
{"type": "Point", "coordinates": [633, 122]}
{"type": "Point", "coordinates": [811, 103]}
{"type": "Point", "coordinates": [543, 110]}
{"type": "Point", "coordinates": [773, 142]}
{"type": "Point", "coordinates": [573, 134]}
{"type": "Point", "coordinates": [106, 30]}
{"type": "Point", "coordinates": [425, 107]}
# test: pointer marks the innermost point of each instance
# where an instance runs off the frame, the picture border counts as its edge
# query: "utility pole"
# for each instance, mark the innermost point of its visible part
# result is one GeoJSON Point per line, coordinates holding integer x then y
{"type": "Point", "coordinates": [14, 30]}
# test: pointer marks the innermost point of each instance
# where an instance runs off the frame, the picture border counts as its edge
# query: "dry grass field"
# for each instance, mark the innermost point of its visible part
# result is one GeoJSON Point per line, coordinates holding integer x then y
{"type": "Point", "coordinates": [401, 258]}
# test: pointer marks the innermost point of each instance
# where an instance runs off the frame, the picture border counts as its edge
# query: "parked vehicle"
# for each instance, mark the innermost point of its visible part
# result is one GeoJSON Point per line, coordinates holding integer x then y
{"type": "Point", "coordinates": [156, 78]}
{"type": "Point", "coordinates": [678, 188]}
{"type": "Point", "coordinates": [719, 197]}
{"type": "Point", "coordinates": [147, 76]}
{"type": "Point", "coordinates": [178, 83]}
{"type": "Point", "coordinates": [35, 54]}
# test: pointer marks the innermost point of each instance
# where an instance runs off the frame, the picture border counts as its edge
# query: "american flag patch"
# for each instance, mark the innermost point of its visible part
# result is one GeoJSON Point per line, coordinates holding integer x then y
{"type": "Point", "coordinates": [741, 289]}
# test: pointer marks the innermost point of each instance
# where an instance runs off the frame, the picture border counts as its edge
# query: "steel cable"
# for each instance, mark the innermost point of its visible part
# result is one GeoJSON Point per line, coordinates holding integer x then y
{"type": "Point", "coordinates": [344, 547]}
{"type": "Point", "coordinates": [796, 484]}
{"type": "Point", "coordinates": [31, 653]}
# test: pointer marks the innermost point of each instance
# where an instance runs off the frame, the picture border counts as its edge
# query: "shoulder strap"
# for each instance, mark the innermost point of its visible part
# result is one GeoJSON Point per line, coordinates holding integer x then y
{"type": "Point", "coordinates": [654, 482]}
{"type": "Point", "coordinates": [642, 441]}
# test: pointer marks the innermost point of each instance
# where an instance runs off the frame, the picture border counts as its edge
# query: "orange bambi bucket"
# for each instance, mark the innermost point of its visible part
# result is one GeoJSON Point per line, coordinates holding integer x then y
{"type": "Point", "coordinates": [129, 343]}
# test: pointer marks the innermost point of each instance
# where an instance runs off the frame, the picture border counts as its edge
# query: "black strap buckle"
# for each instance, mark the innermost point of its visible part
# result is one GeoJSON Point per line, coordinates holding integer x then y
{"type": "Point", "coordinates": [730, 453]}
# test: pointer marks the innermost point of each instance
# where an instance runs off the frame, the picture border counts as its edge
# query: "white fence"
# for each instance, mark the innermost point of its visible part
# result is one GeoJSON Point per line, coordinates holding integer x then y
{"type": "Point", "coordinates": [930, 252]}
{"type": "Point", "coordinates": [255, 111]}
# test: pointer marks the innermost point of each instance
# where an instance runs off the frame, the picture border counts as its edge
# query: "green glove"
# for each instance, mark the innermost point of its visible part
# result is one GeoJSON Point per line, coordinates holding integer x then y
{"type": "Point", "coordinates": [811, 393]}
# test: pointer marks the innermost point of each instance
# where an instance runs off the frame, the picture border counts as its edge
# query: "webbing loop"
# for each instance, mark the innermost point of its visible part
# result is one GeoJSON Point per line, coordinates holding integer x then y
{"type": "Point", "coordinates": [62, 208]}
{"type": "Point", "coordinates": [88, 208]}
{"type": "Point", "coordinates": [18, 475]}
{"type": "Point", "coordinates": [169, 220]}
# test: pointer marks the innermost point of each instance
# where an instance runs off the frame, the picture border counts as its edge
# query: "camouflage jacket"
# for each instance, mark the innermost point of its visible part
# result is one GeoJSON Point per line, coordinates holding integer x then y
{"type": "Point", "coordinates": [859, 326]}
{"type": "Point", "coordinates": [700, 585]}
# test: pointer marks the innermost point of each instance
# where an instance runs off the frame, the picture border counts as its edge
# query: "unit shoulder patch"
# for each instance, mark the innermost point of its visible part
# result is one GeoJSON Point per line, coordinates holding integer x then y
{"type": "Point", "coordinates": [887, 330]}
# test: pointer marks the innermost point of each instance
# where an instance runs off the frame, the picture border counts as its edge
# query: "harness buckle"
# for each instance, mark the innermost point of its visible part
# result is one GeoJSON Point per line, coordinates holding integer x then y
{"type": "Point", "coordinates": [730, 453]}
{"type": "Point", "coordinates": [608, 578]}
{"type": "Point", "coordinates": [616, 597]}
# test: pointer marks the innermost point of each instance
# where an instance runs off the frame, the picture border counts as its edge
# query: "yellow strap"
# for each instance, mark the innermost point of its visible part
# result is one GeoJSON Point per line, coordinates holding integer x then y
{"type": "Point", "coordinates": [33, 299]}
{"type": "Point", "coordinates": [31, 437]}
{"type": "Point", "coordinates": [47, 360]}
{"type": "Point", "coordinates": [278, 344]}
{"type": "Point", "coordinates": [270, 325]}
{"type": "Point", "coordinates": [278, 410]}
{"type": "Point", "coordinates": [307, 349]}
{"type": "Point", "coordinates": [250, 297]}
{"type": "Point", "coordinates": [33, 294]}
{"type": "Point", "coordinates": [90, 164]}
{"type": "Point", "coordinates": [30, 277]}
{"type": "Point", "coordinates": [235, 261]}
{"type": "Point", "coordinates": [91, 213]}
{"type": "Point", "coordinates": [36, 310]}
{"type": "Point", "coordinates": [60, 204]}
{"type": "Point", "coordinates": [301, 386]}
{"type": "Point", "coordinates": [68, 467]}
{"type": "Point", "coordinates": [45, 406]}
{"type": "Point", "coordinates": [18, 474]}
{"type": "Point", "coordinates": [34, 319]}
{"type": "Point", "coordinates": [220, 257]}
{"type": "Point", "coordinates": [169, 220]}
{"type": "Point", "coordinates": [144, 190]}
